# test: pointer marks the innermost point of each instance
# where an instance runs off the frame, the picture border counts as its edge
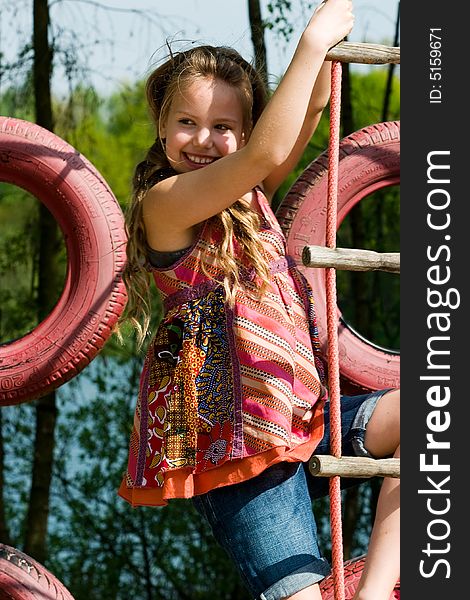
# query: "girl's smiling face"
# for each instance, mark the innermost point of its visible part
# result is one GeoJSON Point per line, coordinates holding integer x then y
{"type": "Point", "coordinates": [204, 123]}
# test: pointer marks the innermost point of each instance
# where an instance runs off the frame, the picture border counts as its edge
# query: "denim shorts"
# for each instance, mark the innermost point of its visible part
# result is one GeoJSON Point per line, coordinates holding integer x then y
{"type": "Point", "coordinates": [266, 524]}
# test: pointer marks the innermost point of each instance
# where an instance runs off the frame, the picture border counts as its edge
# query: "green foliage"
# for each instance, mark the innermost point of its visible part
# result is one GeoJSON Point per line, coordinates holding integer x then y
{"type": "Point", "coordinates": [18, 249]}
{"type": "Point", "coordinates": [367, 97]}
{"type": "Point", "coordinates": [113, 133]}
{"type": "Point", "coordinates": [18, 435]}
{"type": "Point", "coordinates": [370, 301]}
{"type": "Point", "coordinates": [279, 17]}
{"type": "Point", "coordinates": [17, 97]}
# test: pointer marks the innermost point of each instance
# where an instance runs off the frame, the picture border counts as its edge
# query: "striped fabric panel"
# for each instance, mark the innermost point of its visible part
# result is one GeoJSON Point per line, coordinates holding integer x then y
{"type": "Point", "coordinates": [279, 381]}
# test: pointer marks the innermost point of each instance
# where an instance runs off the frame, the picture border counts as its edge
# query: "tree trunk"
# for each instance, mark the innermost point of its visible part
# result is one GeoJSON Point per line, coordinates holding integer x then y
{"type": "Point", "coordinates": [48, 287]}
{"type": "Point", "coordinates": [257, 38]}
{"type": "Point", "coordinates": [347, 116]}
{"type": "Point", "coordinates": [391, 69]}
{"type": "Point", "coordinates": [4, 534]}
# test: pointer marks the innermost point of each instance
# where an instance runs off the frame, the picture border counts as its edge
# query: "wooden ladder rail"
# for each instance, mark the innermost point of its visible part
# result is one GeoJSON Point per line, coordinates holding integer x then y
{"type": "Point", "coordinates": [366, 54]}
{"type": "Point", "coordinates": [349, 259]}
{"type": "Point", "coordinates": [354, 466]}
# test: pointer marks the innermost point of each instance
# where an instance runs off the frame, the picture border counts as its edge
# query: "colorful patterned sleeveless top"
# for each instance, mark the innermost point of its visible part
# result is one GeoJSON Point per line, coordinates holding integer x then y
{"type": "Point", "coordinates": [225, 392]}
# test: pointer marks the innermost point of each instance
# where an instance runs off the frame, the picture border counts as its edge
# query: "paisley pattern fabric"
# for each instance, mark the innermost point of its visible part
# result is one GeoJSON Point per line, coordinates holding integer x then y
{"type": "Point", "coordinates": [222, 385]}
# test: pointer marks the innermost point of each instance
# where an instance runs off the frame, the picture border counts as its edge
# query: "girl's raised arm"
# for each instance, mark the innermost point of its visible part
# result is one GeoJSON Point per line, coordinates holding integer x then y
{"type": "Point", "coordinates": [318, 101]}
{"type": "Point", "coordinates": [176, 204]}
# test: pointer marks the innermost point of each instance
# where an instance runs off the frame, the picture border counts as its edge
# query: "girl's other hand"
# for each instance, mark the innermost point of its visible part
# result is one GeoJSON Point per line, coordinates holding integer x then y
{"type": "Point", "coordinates": [330, 23]}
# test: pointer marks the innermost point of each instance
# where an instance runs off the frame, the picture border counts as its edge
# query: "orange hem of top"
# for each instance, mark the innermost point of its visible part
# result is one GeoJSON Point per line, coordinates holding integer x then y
{"type": "Point", "coordinates": [182, 483]}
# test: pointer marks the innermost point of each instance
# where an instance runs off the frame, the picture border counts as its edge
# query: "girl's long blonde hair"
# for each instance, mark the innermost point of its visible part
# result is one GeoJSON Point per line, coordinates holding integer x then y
{"type": "Point", "coordinates": [238, 221]}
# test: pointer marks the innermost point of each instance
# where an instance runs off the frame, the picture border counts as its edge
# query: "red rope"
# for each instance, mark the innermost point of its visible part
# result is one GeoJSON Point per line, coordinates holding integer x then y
{"type": "Point", "coordinates": [332, 331]}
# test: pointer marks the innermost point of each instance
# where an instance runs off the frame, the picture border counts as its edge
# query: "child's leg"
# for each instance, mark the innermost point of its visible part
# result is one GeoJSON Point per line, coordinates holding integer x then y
{"type": "Point", "coordinates": [267, 527]}
{"type": "Point", "coordinates": [382, 566]}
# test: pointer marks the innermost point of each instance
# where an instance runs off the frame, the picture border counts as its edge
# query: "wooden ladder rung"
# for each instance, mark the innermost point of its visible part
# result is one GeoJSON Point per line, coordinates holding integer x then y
{"type": "Point", "coordinates": [350, 259]}
{"type": "Point", "coordinates": [354, 466]}
{"type": "Point", "coordinates": [367, 54]}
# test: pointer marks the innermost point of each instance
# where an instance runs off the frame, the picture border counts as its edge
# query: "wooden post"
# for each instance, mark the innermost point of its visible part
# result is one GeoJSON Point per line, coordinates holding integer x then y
{"type": "Point", "coordinates": [354, 466]}
{"type": "Point", "coordinates": [367, 54]}
{"type": "Point", "coordinates": [349, 259]}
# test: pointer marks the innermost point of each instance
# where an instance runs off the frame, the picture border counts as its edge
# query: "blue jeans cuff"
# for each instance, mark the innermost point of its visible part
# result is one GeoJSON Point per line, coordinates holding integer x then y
{"type": "Point", "coordinates": [358, 428]}
{"type": "Point", "coordinates": [298, 580]}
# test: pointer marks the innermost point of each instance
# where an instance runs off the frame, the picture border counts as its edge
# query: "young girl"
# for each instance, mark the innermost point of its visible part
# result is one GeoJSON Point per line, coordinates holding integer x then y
{"type": "Point", "coordinates": [232, 399]}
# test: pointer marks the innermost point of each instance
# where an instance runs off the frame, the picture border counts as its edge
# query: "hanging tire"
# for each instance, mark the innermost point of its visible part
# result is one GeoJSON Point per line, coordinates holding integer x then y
{"type": "Point", "coordinates": [369, 160]}
{"type": "Point", "coordinates": [94, 296]}
{"type": "Point", "coordinates": [352, 573]}
{"type": "Point", "coordinates": [22, 578]}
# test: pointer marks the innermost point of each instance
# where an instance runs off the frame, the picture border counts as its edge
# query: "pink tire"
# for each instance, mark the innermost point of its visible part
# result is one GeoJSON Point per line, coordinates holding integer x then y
{"type": "Point", "coordinates": [369, 160]}
{"type": "Point", "coordinates": [22, 578]}
{"type": "Point", "coordinates": [94, 296]}
{"type": "Point", "coordinates": [352, 573]}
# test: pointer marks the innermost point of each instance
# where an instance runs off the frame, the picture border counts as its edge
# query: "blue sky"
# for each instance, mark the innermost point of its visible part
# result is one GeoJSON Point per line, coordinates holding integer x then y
{"type": "Point", "coordinates": [119, 44]}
